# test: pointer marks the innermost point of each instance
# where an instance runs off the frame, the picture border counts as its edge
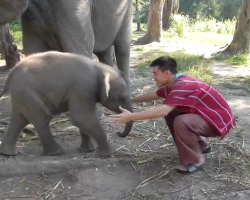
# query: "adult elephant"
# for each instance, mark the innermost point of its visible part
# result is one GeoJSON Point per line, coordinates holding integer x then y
{"type": "Point", "coordinates": [11, 10]}
{"type": "Point", "coordinates": [80, 26]}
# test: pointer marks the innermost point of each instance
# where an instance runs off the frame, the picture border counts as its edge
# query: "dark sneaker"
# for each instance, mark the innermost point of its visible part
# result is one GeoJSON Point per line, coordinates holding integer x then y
{"type": "Point", "coordinates": [206, 150]}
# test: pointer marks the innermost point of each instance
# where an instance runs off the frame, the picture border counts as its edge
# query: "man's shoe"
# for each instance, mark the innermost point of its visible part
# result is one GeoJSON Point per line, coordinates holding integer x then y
{"type": "Point", "coordinates": [190, 169]}
{"type": "Point", "coordinates": [206, 150]}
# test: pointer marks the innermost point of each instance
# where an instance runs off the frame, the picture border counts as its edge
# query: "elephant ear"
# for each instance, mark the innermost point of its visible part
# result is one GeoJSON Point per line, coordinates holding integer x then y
{"type": "Point", "coordinates": [104, 87]}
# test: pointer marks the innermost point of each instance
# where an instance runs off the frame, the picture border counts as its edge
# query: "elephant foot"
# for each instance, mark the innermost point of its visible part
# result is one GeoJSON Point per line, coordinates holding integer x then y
{"type": "Point", "coordinates": [87, 147]}
{"type": "Point", "coordinates": [7, 151]}
{"type": "Point", "coordinates": [104, 153]}
{"type": "Point", "coordinates": [55, 151]}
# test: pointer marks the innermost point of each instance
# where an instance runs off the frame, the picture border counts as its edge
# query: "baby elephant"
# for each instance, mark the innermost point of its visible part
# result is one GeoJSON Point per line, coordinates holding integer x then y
{"type": "Point", "coordinates": [46, 84]}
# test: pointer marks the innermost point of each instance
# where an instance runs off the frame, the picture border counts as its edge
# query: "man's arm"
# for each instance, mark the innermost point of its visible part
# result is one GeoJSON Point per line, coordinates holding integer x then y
{"type": "Point", "coordinates": [127, 116]}
{"type": "Point", "coordinates": [146, 97]}
{"type": "Point", "coordinates": [155, 112]}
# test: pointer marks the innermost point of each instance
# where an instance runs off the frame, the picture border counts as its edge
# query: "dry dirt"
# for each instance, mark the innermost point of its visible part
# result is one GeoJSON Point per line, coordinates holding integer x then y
{"type": "Point", "coordinates": [142, 164]}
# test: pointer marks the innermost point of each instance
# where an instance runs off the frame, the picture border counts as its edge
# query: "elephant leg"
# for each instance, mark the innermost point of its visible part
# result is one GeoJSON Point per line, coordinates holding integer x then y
{"type": "Point", "coordinates": [40, 116]}
{"type": "Point", "coordinates": [78, 37]}
{"type": "Point", "coordinates": [9, 140]}
{"type": "Point", "coordinates": [122, 57]}
{"type": "Point", "coordinates": [122, 48]}
{"type": "Point", "coordinates": [50, 146]}
{"type": "Point", "coordinates": [106, 56]}
{"type": "Point", "coordinates": [85, 119]}
{"type": "Point", "coordinates": [32, 43]}
{"type": "Point", "coordinates": [89, 124]}
{"type": "Point", "coordinates": [86, 143]}
{"type": "Point", "coordinates": [122, 53]}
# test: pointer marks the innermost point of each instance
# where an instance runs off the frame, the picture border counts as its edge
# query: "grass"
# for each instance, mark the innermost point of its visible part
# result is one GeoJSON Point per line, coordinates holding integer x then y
{"type": "Point", "coordinates": [238, 60]}
{"type": "Point", "coordinates": [243, 79]}
{"type": "Point", "coordinates": [231, 86]}
{"type": "Point", "coordinates": [193, 65]}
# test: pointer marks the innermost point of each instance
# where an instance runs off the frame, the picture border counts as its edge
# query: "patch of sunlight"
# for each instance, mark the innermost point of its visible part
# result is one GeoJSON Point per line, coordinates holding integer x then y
{"type": "Point", "coordinates": [229, 71]}
{"type": "Point", "coordinates": [205, 38]}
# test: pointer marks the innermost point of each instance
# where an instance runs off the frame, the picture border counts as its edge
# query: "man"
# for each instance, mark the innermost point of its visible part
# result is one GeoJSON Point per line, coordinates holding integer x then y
{"type": "Point", "coordinates": [192, 110]}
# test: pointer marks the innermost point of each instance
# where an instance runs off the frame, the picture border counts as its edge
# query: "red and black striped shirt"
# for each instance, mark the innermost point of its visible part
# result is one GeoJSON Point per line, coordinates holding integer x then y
{"type": "Point", "coordinates": [191, 95]}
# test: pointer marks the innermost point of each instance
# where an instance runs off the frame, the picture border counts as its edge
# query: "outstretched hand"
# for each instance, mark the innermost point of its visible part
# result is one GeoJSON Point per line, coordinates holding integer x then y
{"type": "Point", "coordinates": [124, 117]}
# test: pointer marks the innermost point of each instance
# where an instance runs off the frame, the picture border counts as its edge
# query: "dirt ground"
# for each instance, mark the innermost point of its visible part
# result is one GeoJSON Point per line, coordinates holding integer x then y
{"type": "Point", "coordinates": [142, 166]}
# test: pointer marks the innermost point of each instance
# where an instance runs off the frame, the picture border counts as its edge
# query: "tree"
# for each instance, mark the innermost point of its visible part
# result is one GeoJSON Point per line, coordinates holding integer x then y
{"type": "Point", "coordinates": [241, 38]}
{"type": "Point", "coordinates": [137, 15]}
{"type": "Point", "coordinates": [219, 9]}
{"type": "Point", "coordinates": [170, 6]}
{"type": "Point", "coordinates": [154, 24]}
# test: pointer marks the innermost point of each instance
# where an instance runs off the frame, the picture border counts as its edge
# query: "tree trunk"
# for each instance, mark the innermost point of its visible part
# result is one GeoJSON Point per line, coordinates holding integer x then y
{"type": "Point", "coordinates": [137, 16]}
{"type": "Point", "coordinates": [241, 38]}
{"type": "Point", "coordinates": [170, 6]}
{"type": "Point", "coordinates": [154, 23]}
{"type": "Point", "coordinates": [176, 6]}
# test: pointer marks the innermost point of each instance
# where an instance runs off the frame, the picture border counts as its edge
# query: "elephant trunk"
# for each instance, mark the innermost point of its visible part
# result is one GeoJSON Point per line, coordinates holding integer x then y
{"type": "Point", "coordinates": [12, 56]}
{"type": "Point", "coordinates": [128, 125]}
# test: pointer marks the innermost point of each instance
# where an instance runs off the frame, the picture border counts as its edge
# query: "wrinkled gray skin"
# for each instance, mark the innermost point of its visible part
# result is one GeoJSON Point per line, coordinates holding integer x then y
{"type": "Point", "coordinates": [8, 48]}
{"type": "Point", "coordinates": [46, 84]}
{"type": "Point", "coordinates": [11, 10]}
{"type": "Point", "coordinates": [80, 26]}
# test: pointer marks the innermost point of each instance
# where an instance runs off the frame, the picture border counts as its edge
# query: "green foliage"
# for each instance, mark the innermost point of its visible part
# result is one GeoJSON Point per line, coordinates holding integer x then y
{"type": "Point", "coordinates": [206, 31]}
{"type": "Point", "coordinates": [219, 9]}
{"type": "Point", "coordinates": [238, 60]}
{"type": "Point", "coordinates": [143, 6]}
{"type": "Point", "coordinates": [181, 23]}
{"type": "Point", "coordinates": [16, 31]}
{"type": "Point", "coordinates": [16, 22]}
{"type": "Point", "coordinates": [199, 9]}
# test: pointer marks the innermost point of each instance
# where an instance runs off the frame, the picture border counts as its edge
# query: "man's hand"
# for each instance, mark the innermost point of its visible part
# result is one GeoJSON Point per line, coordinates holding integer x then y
{"type": "Point", "coordinates": [127, 116]}
{"type": "Point", "coordinates": [124, 117]}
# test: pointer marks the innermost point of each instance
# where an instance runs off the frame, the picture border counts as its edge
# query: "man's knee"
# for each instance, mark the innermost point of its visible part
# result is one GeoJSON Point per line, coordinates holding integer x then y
{"type": "Point", "coordinates": [182, 122]}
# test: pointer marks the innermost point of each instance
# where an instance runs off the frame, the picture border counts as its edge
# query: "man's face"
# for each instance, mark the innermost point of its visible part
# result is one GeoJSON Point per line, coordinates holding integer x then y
{"type": "Point", "coordinates": [161, 78]}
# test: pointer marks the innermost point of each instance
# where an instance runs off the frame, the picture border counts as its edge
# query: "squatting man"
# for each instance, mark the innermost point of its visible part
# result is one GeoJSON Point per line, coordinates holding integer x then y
{"type": "Point", "coordinates": [192, 109]}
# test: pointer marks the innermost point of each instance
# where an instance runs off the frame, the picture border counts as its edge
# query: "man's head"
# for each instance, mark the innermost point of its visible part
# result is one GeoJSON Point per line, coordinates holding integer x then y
{"type": "Point", "coordinates": [164, 69]}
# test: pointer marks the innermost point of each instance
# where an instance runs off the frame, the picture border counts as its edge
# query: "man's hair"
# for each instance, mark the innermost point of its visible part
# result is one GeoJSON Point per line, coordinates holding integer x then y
{"type": "Point", "coordinates": [165, 63]}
